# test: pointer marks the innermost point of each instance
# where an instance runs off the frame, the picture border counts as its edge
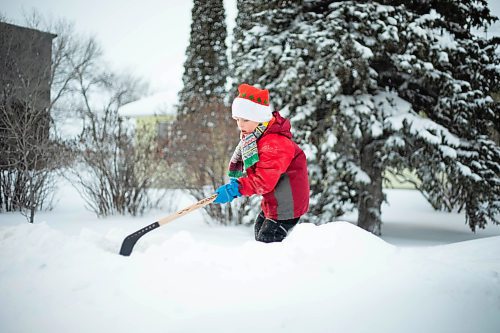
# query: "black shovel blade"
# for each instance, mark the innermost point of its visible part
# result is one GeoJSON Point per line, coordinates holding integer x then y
{"type": "Point", "coordinates": [130, 240]}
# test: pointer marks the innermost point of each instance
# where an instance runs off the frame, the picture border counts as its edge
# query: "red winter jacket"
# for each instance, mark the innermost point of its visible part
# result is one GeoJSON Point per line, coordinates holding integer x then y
{"type": "Point", "coordinates": [280, 175]}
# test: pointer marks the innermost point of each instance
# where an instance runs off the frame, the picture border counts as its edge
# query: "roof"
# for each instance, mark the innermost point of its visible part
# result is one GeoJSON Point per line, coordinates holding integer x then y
{"type": "Point", "coordinates": [162, 103]}
{"type": "Point", "coordinates": [27, 30]}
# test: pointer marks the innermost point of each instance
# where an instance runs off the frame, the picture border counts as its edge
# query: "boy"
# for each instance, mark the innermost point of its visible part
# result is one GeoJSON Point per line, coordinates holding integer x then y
{"type": "Point", "coordinates": [275, 166]}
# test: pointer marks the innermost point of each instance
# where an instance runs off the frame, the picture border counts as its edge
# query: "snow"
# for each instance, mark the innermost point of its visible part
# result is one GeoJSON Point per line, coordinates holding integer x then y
{"type": "Point", "coordinates": [161, 103]}
{"type": "Point", "coordinates": [448, 151]}
{"type": "Point", "coordinates": [364, 51]}
{"type": "Point", "coordinates": [427, 274]}
{"type": "Point", "coordinates": [425, 129]}
{"type": "Point", "coordinates": [360, 176]}
{"type": "Point", "coordinates": [376, 128]}
{"type": "Point", "coordinates": [467, 172]}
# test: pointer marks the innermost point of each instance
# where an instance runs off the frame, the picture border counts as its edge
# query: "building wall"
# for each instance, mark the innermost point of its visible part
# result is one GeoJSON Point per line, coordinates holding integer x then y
{"type": "Point", "coordinates": [154, 130]}
{"type": "Point", "coordinates": [25, 64]}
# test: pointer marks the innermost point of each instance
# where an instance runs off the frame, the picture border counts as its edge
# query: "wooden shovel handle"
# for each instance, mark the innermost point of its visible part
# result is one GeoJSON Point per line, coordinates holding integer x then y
{"type": "Point", "coordinates": [187, 210]}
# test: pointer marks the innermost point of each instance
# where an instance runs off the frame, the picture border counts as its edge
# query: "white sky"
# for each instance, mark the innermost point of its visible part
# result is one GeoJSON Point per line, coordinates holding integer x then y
{"type": "Point", "coordinates": [147, 37]}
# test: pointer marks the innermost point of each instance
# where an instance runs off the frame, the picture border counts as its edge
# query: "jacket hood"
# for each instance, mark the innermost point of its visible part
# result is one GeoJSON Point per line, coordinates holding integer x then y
{"type": "Point", "coordinates": [280, 126]}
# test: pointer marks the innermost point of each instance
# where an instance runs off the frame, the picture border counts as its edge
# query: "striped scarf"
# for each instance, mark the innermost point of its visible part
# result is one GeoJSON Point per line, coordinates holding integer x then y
{"type": "Point", "coordinates": [245, 155]}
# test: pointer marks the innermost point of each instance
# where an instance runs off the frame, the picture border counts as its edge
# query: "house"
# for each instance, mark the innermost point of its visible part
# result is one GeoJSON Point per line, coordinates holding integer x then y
{"type": "Point", "coordinates": [25, 75]}
{"type": "Point", "coordinates": [152, 116]}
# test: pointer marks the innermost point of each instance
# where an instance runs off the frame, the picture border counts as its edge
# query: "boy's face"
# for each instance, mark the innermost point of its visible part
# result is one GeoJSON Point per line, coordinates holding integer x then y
{"type": "Point", "coordinates": [246, 126]}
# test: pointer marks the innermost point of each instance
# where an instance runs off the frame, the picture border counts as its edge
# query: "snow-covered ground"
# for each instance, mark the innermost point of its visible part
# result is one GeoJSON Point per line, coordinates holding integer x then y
{"type": "Point", "coordinates": [428, 273]}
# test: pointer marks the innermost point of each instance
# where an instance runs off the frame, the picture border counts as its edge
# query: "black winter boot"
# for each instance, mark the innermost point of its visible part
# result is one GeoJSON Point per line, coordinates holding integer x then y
{"type": "Point", "coordinates": [272, 231]}
{"type": "Point", "coordinates": [258, 224]}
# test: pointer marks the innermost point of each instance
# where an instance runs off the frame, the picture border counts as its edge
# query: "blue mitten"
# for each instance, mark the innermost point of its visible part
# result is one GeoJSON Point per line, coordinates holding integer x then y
{"type": "Point", "coordinates": [227, 192]}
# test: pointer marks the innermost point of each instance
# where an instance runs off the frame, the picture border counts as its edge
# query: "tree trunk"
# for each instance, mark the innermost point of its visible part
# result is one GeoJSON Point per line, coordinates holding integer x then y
{"type": "Point", "coordinates": [370, 195]}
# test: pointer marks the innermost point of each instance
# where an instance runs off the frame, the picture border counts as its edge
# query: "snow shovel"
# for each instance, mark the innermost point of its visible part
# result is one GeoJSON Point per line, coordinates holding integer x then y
{"type": "Point", "coordinates": [130, 240]}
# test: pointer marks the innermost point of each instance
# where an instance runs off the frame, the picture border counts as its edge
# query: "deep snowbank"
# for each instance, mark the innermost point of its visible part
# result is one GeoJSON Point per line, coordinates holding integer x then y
{"type": "Point", "coordinates": [334, 277]}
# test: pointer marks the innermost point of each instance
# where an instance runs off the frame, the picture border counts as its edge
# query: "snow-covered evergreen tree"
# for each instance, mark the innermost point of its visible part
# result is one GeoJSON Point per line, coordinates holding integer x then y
{"type": "Point", "coordinates": [206, 65]}
{"type": "Point", "coordinates": [454, 76]}
{"type": "Point", "coordinates": [370, 86]}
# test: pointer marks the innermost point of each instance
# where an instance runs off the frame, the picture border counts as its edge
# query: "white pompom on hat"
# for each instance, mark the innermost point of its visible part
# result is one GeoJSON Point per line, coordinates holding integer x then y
{"type": "Point", "coordinates": [252, 104]}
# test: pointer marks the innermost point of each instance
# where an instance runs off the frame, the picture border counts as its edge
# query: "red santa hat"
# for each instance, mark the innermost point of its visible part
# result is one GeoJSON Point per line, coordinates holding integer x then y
{"type": "Point", "coordinates": [252, 104]}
